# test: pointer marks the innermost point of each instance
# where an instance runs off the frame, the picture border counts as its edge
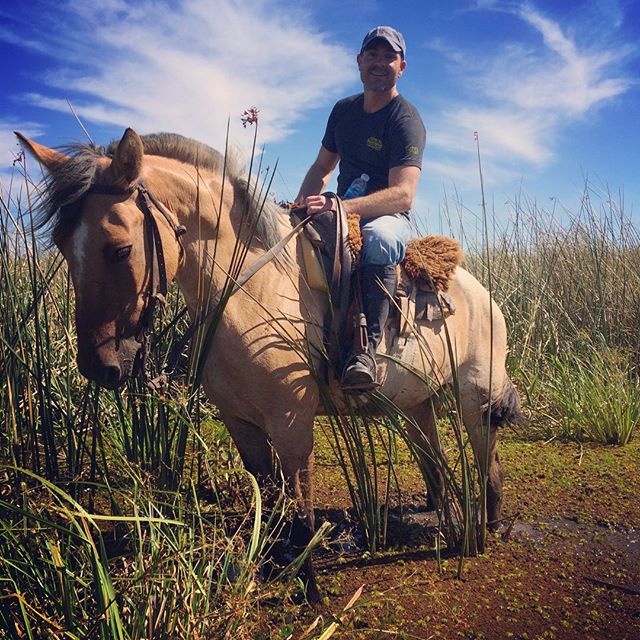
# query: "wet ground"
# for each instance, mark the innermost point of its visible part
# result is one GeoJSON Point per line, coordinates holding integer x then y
{"type": "Point", "coordinates": [568, 567]}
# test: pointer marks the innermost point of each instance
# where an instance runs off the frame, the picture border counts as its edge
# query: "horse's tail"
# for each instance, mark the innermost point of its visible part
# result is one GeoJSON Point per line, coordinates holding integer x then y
{"type": "Point", "coordinates": [505, 408]}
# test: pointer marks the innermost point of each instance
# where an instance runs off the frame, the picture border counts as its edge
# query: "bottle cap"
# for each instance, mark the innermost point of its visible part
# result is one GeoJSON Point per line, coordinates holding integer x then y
{"type": "Point", "coordinates": [364, 177]}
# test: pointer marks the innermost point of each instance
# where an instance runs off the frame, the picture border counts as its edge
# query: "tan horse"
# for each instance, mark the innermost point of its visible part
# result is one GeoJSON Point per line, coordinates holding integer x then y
{"type": "Point", "coordinates": [262, 385]}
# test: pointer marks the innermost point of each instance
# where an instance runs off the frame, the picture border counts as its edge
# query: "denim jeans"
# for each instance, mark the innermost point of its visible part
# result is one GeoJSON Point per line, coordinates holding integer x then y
{"type": "Point", "coordinates": [384, 239]}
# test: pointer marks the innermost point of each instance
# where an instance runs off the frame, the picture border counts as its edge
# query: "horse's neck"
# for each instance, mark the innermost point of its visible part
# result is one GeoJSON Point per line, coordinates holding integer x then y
{"type": "Point", "coordinates": [217, 246]}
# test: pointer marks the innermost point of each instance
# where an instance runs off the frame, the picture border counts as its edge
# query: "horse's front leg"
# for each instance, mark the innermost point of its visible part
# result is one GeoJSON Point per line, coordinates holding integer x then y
{"type": "Point", "coordinates": [294, 448]}
{"type": "Point", "coordinates": [253, 446]}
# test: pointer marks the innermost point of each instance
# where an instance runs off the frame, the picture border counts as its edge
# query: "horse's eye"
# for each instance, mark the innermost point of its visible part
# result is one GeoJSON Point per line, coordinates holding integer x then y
{"type": "Point", "coordinates": [121, 254]}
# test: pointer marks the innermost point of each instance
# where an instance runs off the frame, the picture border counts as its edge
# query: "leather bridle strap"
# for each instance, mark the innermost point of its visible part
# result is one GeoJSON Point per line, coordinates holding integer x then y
{"type": "Point", "coordinates": [149, 198]}
{"type": "Point", "coordinates": [144, 201]}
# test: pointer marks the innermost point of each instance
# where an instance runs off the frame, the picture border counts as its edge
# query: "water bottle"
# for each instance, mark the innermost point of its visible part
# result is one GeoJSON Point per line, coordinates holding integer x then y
{"type": "Point", "coordinates": [357, 188]}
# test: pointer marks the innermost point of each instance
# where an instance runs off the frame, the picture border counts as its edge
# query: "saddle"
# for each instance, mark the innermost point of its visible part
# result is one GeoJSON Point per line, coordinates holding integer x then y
{"type": "Point", "coordinates": [329, 264]}
{"type": "Point", "coordinates": [331, 245]}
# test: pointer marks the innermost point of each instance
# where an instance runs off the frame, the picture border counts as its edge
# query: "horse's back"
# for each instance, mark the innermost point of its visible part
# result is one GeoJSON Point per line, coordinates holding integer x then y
{"type": "Point", "coordinates": [467, 336]}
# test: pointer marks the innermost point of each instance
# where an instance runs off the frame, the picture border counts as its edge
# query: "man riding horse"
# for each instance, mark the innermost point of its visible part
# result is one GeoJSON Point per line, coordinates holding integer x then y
{"type": "Point", "coordinates": [147, 210]}
{"type": "Point", "coordinates": [379, 133]}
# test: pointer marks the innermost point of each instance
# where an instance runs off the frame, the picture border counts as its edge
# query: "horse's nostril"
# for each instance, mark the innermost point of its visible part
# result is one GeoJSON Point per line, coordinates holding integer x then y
{"type": "Point", "coordinates": [111, 376]}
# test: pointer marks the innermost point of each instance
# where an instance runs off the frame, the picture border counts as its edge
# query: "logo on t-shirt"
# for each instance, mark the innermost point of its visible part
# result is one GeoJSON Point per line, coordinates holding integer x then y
{"type": "Point", "coordinates": [374, 143]}
{"type": "Point", "coordinates": [412, 150]}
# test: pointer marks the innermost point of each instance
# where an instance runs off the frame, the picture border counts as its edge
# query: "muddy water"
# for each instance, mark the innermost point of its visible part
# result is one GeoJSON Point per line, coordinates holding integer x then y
{"type": "Point", "coordinates": [627, 541]}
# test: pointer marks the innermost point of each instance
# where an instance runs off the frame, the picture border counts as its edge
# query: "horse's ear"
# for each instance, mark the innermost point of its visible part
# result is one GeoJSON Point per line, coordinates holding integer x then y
{"type": "Point", "coordinates": [50, 159]}
{"type": "Point", "coordinates": [127, 161]}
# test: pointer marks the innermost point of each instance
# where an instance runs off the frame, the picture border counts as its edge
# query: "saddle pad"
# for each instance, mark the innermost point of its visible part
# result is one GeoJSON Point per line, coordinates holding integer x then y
{"type": "Point", "coordinates": [430, 261]}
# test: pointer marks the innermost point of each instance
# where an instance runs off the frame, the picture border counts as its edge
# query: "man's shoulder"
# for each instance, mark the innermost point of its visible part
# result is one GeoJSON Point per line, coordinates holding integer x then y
{"type": "Point", "coordinates": [404, 107]}
{"type": "Point", "coordinates": [349, 101]}
{"type": "Point", "coordinates": [406, 117]}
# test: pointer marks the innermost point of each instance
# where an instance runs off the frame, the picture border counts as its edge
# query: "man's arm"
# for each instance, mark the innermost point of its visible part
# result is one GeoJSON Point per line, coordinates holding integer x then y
{"type": "Point", "coordinates": [318, 175]}
{"type": "Point", "coordinates": [397, 197]}
{"type": "Point", "coordinates": [403, 183]}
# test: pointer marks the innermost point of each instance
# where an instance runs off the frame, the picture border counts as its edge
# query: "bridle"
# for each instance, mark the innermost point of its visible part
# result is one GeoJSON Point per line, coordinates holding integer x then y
{"type": "Point", "coordinates": [158, 287]}
{"type": "Point", "coordinates": [157, 291]}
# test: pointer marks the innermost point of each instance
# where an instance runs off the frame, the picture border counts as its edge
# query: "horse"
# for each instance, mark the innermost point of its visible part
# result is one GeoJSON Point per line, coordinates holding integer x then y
{"type": "Point", "coordinates": [163, 207]}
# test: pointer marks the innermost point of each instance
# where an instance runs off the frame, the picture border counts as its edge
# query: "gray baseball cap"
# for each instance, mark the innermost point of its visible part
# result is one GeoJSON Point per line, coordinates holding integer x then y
{"type": "Point", "coordinates": [390, 35]}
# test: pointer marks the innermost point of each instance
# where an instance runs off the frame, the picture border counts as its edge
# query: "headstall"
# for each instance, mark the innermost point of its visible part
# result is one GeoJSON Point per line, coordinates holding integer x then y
{"type": "Point", "coordinates": [157, 293]}
{"type": "Point", "coordinates": [158, 287]}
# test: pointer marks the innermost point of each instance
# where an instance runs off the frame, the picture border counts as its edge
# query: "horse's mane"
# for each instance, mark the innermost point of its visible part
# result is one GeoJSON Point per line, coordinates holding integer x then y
{"type": "Point", "coordinates": [177, 147]}
{"type": "Point", "coordinates": [65, 186]}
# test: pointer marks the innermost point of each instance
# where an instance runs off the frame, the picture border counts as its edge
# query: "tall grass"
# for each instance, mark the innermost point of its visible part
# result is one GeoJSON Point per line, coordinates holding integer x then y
{"type": "Point", "coordinates": [567, 280]}
{"type": "Point", "coordinates": [591, 398]}
{"type": "Point", "coordinates": [165, 568]}
{"type": "Point", "coordinates": [569, 284]}
{"type": "Point", "coordinates": [123, 514]}
{"type": "Point", "coordinates": [126, 514]}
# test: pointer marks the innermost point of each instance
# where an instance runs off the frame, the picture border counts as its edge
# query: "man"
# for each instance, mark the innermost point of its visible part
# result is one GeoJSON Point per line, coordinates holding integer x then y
{"type": "Point", "coordinates": [381, 134]}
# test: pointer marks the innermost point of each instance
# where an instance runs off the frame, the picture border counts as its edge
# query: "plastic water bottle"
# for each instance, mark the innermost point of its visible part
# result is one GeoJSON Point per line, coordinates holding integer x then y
{"type": "Point", "coordinates": [357, 188]}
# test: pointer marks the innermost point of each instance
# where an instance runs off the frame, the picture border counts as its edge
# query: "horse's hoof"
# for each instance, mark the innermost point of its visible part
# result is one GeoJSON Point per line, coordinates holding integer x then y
{"type": "Point", "coordinates": [312, 595]}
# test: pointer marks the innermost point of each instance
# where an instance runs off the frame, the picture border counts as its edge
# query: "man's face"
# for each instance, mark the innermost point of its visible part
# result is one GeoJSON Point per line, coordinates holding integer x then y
{"type": "Point", "coordinates": [380, 66]}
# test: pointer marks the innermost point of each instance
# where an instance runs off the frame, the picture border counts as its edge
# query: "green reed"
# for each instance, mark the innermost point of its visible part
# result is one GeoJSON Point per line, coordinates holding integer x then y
{"type": "Point", "coordinates": [569, 285]}
{"type": "Point", "coordinates": [122, 514]}
{"type": "Point", "coordinates": [162, 569]}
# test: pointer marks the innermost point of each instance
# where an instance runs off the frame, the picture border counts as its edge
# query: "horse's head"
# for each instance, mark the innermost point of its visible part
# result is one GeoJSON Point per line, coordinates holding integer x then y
{"type": "Point", "coordinates": [106, 238]}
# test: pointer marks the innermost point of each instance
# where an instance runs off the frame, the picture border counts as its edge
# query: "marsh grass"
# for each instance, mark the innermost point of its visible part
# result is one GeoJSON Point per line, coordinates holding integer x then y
{"type": "Point", "coordinates": [567, 281]}
{"type": "Point", "coordinates": [127, 515]}
{"type": "Point", "coordinates": [166, 568]}
{"type": "Point", "coordinates": [123, 514]}
{"type": "Point", "coordinates": [569, 285]}
{"type": "Point", "coordinates": [591, 398]}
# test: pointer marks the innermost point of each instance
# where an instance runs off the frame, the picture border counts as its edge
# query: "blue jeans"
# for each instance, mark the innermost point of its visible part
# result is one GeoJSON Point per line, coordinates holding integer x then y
{"type": "Point", "coordinates": [384, 239]}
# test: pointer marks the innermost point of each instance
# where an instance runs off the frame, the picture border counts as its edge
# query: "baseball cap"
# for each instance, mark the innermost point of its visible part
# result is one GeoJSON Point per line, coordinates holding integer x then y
{"type": "Point", "coordinates": [390, 35]}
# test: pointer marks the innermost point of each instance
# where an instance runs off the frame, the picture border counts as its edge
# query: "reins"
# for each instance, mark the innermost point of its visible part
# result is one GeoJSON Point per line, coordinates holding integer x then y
{"type": "Point", "coordinates": [236, 284]}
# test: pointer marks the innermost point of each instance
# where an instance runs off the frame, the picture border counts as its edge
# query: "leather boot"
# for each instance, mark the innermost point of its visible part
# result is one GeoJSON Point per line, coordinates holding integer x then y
{"type": "Point", "coordinates": [378, 284]}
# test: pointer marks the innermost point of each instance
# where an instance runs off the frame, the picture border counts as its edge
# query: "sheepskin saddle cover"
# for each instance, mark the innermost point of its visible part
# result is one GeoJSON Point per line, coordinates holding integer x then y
{"type": "Point", "coordinates": [430, 261]}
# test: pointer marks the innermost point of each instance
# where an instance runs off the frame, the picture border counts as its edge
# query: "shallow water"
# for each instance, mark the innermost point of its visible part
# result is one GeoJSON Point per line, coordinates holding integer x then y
{"type": "Point", "coordinates": [585, 538]}
{"type": "Point", "coordinates": [627, 540]}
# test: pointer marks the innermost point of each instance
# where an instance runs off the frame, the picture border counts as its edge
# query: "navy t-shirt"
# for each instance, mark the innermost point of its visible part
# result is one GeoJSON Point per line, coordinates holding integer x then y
{"type": "Point", "coordinates": [373, 143]}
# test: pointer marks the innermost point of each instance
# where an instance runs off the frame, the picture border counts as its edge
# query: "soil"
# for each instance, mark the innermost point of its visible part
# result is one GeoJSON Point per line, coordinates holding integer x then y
{"type": "Point", "coordinates": [568, 568]}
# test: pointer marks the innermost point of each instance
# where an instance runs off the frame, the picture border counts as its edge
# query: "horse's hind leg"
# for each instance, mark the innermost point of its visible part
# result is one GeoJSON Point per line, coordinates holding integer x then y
{"type": "Point", "coordinates": [423, 434]}
{"type": "Point", "coordinates": [485, 447]}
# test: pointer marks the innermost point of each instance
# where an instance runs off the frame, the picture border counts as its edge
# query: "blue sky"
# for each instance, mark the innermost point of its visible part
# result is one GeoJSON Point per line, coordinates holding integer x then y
{"type": "Point", "coordinates": [551, 87]}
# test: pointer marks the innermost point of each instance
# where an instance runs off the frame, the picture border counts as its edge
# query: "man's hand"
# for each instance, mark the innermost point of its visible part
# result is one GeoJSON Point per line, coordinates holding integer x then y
{"type": "Point", "coordinates": [319, 204]}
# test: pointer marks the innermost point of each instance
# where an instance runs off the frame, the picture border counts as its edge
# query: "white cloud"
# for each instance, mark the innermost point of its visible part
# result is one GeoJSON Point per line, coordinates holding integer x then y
{"type": "Point", "coordinates": [504, 133]}
{"type": "Point", "coordinates": [561, 78]}
{"type": "Point", "coordinates": [188, 66]}
{"type": "Point", "coordinates": [522, 94]}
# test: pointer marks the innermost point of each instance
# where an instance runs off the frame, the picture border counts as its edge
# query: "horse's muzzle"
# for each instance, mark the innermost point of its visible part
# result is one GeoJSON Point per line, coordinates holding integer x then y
{"type": "Point", "coordinates": [108, 367]}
